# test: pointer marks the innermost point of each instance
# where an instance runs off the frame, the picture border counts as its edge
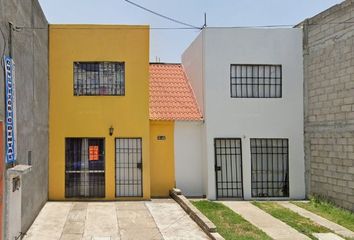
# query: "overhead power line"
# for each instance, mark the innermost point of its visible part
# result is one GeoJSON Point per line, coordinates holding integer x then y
{"type": "Point", "coordinates": [163, 16]}
{"type": "Point", "coordinates": [113, 26]}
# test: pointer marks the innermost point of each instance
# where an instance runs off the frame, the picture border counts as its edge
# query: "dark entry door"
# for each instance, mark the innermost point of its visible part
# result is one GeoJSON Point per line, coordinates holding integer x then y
{"type": "Point", "coordinates": [228, 168]}
{"type": "Point", "coordinates": [129, 167]}
{"type": "Point", "coordinates": [84, 168]}
{"type": "Point", "coordinates": [270, 167]}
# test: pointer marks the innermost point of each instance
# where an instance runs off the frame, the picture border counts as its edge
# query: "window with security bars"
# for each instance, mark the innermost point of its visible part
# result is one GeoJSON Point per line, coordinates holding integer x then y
{"type": "Point", "coordinates": [270, 167]}
{"type": "Point", "coordinates": [84, 168]}
{"type": "Point", "coordinates": [256, 81]}
{"type": "Point", "coordinates": [99, 79]}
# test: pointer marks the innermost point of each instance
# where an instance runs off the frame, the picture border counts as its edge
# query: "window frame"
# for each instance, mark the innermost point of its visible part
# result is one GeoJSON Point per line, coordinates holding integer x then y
{"type": "Point", "coordinates": [120, 84]}
{"type": "Point", "coordinates": [233, 94]}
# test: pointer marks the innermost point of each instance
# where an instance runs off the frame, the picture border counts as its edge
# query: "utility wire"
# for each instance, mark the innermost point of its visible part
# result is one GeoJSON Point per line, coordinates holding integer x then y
{"type": "Point", "coordinates": [176, 28]}
{"type": "Point", "coordinates": [163, 16]}
{"type": "Point", "coordinates": [112, 26]}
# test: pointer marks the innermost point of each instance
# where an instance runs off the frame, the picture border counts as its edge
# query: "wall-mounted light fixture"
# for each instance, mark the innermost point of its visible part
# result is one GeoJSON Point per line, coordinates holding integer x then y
{"type": "Point", "coordinates": [111, 130]}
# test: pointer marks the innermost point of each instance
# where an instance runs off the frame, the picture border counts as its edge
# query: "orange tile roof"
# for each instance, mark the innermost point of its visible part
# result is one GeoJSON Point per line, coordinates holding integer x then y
{"type": "Point", "coordinates": [171, 96]}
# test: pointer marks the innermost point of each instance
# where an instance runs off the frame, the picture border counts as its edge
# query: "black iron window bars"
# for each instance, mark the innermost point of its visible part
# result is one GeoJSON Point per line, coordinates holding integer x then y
{"type": "Point", "coordinates": [256, 81]}
{"type": "Point", "coordinates": [99, 79]}
{"type": "Point", "coordinates": [270, 167]}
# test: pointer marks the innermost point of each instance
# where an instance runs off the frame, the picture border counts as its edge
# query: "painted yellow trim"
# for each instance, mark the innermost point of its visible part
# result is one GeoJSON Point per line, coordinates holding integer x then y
{"type": "Point", "coordinates": [162, 158]}
{"type": "Point", "coordinates": [91, 116]}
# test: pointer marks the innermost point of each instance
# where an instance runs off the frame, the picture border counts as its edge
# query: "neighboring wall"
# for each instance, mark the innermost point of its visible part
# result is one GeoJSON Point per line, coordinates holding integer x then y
{"type": "Point", "coordinates": [188, 157]}
{"type": "Point", "coordinates": [30, 53]}
{"type": "Point", "coordinates": [329, 104]}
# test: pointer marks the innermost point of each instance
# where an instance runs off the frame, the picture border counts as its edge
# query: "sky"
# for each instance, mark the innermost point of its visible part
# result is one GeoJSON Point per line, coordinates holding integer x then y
{"type": "Point", "coordinates": [168, 45]}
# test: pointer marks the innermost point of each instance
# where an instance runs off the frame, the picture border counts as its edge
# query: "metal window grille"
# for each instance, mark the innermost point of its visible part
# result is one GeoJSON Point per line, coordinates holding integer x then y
{"type": "Point", "coordinates": [84, 170]}
{"type": "Point", "coordinates": [270, 167]}
{"type": "Point", "coordinates": [99, 79]}
{"type": "Point", "coordinates": [228, 168]}
{"type": "Point", "coordinates": [256, 81]}
{"type": "Point", "coordinates": [129, 167]}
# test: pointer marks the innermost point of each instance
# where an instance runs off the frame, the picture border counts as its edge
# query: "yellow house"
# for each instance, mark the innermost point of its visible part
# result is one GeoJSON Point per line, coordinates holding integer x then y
{"type": "Point", "coordinates": [112, 114]}
{"type": "Point", "coordinates": [99, 112]}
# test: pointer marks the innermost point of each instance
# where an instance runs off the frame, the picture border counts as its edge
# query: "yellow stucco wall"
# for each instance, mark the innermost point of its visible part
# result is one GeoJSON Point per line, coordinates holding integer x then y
{"type": "Point", "coordinates": [162, 158]}
{"type": "Point", "coordinates": [91, 116]}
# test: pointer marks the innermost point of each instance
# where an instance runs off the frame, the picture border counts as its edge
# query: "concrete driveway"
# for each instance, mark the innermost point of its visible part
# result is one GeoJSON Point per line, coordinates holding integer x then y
{"type": "Point", "coordinates": [156, 219]}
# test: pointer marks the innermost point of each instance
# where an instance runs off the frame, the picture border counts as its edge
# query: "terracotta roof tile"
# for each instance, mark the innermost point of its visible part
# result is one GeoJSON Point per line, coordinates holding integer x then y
{"type": "Point", "coordinates": [171, 96]}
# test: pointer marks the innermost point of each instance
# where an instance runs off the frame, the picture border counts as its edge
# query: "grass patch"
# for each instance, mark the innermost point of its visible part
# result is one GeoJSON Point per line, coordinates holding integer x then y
{"type": "Point", "coordinates": [229, 224]}
{"type": "Point", "coordinates": [329, 211]}
{"type": "Point", "coordinates": [300, 223]}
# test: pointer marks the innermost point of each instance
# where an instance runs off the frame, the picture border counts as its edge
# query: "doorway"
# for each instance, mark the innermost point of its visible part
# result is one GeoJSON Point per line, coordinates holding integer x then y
{"type": "Point", "coordinates": [84, 168]}
{"type": "Point", "coordinates": [228, 167]}
{"type": "Point", "coordinates": [129, 167]}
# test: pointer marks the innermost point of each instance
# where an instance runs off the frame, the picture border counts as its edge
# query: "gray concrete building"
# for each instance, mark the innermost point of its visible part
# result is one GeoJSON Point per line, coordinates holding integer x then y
{"type": "Point", "coordinates": [30, 53]}
{"type": "Point", "coordinates": [329, 103]}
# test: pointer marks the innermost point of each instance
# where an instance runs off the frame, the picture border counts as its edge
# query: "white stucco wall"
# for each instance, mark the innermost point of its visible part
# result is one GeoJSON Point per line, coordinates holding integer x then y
{"type": "Point", "coordinates": [192, 61]}
{"type": "Point", "coordinates": [256, 117]}
{"type": "Point", "coordinates": [188, 157]}
{"type": "Point", "coordinates": [193, 64]}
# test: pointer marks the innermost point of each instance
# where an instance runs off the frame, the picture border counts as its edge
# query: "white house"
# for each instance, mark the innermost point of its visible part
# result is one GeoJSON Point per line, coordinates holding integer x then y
{"type": "Point", "coordinates": [249, 86]}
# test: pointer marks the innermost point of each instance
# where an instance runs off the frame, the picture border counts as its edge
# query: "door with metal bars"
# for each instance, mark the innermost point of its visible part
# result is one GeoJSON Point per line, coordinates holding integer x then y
{"type": "Point", "coordinates": [228, 167]}
{"type": "Point", "coordinates": [129, 167]}
{"type": "Point", "coordinates": [84, 168]}
{"type": "Point", "coordinates": [270, 167]}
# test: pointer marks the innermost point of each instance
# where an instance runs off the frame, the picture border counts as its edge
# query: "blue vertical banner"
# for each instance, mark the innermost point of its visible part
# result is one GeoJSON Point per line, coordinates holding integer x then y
{"type": "Point", "coordinates": [10, 110]}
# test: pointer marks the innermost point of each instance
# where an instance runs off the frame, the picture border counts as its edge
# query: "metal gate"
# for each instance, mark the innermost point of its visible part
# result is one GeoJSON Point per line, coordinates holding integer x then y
{"type": "Point", "coordinates": [228, 167]}
{"type": "Point", "coordinates": [129, 167]}
{"type": "Point", "coordinates": [270, 167]}
{"type": "Point", "coordinates": [84, 168]}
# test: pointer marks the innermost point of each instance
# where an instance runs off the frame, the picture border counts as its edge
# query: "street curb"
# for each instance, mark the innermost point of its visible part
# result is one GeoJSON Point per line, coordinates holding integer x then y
{"type": "Point", "coordinates": [204, 223]}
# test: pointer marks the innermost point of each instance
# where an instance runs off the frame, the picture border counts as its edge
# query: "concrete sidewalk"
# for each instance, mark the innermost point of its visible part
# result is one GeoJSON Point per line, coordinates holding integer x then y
{"type": "Point", "coordinates": [170, 218]}
{"type": "Point", "coordinates": [318, 219]}
{"type": "Point", "coordinates": [158, 219]}
{"type": "Point", "coordinates": [273, 227]}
